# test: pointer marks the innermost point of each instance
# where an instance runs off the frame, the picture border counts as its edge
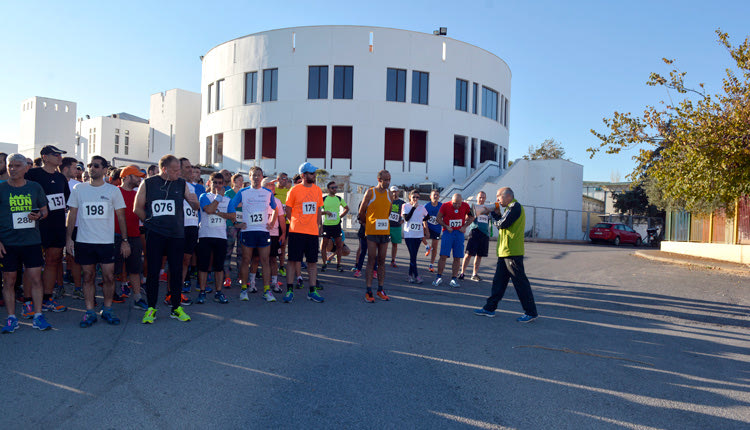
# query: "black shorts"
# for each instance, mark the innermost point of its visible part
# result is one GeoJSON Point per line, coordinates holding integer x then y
{"type": "Point", "coordinates": [332, 231]}
{"type": "Point", "coordinates": [134, 263]}
{"type": "Point", "coordinates": [303, 244]}
{"type": "Point", "coordinates": [87, 254]}
{"type": "Point", "coordinates": [191, 239]}
{"type": "Point", "coordinates": [478, 244]}
{"type": "Point", "coordinates": [17, 257]}
{"type": "Point", "coordinates": [433, 234]}
{"type": "Point", "coordinates": [210, 253]}
{"type": "Point", "coordinates": [379, 238]}
{"type": "Point", "coordinates": [53, 237]}
{"type": "Point", "coordinates": [275, 247]}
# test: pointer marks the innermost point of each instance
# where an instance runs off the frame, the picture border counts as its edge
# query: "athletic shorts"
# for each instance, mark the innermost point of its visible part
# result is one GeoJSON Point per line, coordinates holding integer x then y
{"type": "Point", "coordinates": [452, 241]}
{"type": "Point", "coordinates": [17, 257]}
{"type": "Point", "coordinates": [255, 239]}
{"type": "Point", "coordinates": [191, 239]}
{"type": "Point", "coordinates": [210, 253]}
{"type": "Point", "coordinates": [300, 245]}
{"type": "Point", "coordinates": [87, 254]}
{"type": "Point", "coordinates": [433, 234]}
{"type": "Point", "coordinates": [275, 247]}
{"type": "Point", "coordinates": [332, 231]}
{"type": "Point", "coordinates": [53, 237]}
{"type": "Point", "coordinates": [396, 235]}
{"type": "Point", "coordinates": [379, 238]}
{"type": "Point", "coordinates": [478, 244]}
{"type": "Point", "coordinates": [134, 263]}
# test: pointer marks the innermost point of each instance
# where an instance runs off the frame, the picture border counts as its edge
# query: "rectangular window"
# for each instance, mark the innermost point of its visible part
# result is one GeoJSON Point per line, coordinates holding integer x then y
{"type": "Point", "coordinates": [316, 141]}
{"type": "Point", "coordinates": [505, 113]}
{"type": "Point", "coordinates": [209, 150]}
{"type": "Point", "coordinates": [270, 85]}
{"type": "Point", "coordinates": [268, 146]}
{"type": "Point", "coordinates": [210, 99]}
{"type": "Point", "coordinates": [489, 103]}
{"type": "Point", "coordinates": [251, 85]}
{"type": "Point", "coordinates": [459, 151]}
{"type": "Point", "coordinates": [343, 82]}
{"type": "Point", "coordinates": [249, 144]}
{"type": "Point", "coordinates": [396, 85]}
{"type": "Point", "coordinates": [420, 85]}
{"type": "Point", "coordinates": [127, 145]}
{"type": "Point", "coordinates": [475, 97]}
{"type": "Point", "coordinates": [487, 151]}
{"type": "Point", "coordinates": [220, 94]}
{"type": "Point", "coordinates": [117, 144]}
{"type": "Point", "coordinates": [462, 88]}
{"type": "Point", "coordinates": [418, 146]}
{"type": "Point", "coordinates": [394, 144]}
{"type": "Point", "coordinates": [341, 142]}
{"type": "Point", "coordinates": [473, 153]}
{"type": "Point", "coordinates": [219, 139]}
{"type": "Point", "coordinates": [317, 82]}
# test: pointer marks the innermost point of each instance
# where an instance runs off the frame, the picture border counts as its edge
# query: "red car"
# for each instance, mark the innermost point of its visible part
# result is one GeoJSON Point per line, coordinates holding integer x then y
{"type": "Point", "coordinates": [614, 233]}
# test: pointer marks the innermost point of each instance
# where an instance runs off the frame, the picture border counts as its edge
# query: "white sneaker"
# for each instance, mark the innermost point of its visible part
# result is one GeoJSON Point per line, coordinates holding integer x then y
{"type": "Point", "coordinates": [268, 295]}
{"type": "Point", "coordinates": [411, 280]}
{"type": "Point", "coordinates": [418, 280]}
{"type": "Point", "coordinates": [243, 295]}
{"type": "Point", "coordinates": [454, 283]}
{"type": "Point", "coordinates": [437, 282]}
{"type": "Point", "coordinates": [253, 289]}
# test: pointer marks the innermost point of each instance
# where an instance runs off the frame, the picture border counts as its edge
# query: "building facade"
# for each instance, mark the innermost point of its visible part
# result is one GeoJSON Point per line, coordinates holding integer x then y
{"type": "Point", "coordinates": [353, 100]}
{"type": "Point", "coordinates": [175, 121]}
{"type": "Point", "coordinates": [114, 136]}
{"type": "Point", "coordinates": [46, 121]}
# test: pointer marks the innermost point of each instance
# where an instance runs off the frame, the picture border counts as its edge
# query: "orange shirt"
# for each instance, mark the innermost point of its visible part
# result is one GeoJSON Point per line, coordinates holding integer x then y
{"type": "Point", "coordinates": [305, 202]}
{"type": "Point", "coordinates": [377, 214]}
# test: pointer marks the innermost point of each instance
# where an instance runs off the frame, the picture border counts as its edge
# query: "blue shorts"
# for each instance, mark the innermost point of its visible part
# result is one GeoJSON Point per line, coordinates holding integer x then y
{"type": "Point", "coordinates": [255, 239]}
{"type": "Point", "coordinates": [452, 241]}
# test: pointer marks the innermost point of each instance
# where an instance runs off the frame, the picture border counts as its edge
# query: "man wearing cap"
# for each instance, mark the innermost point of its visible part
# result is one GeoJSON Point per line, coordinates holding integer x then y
{"type": "Point", "coordinates": [52, 228]}
{"type": "Point", "coordinates": [131, 178]}
{"type": "Point", "coordinates": [395, 221]}
{"type": "Point", "coordinates": [303, 204]}
{"type": "Point", "coordinates": [374, 215]}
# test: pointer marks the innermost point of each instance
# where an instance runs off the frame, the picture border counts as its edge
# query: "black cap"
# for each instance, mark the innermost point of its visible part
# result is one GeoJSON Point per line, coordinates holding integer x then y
{"type": "Point", "coordinates": [50, 149]}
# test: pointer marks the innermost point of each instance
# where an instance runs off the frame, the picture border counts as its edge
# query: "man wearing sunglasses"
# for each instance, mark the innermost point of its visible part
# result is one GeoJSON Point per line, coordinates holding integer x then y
{"type": "Point", "coordinates": [332, 224]}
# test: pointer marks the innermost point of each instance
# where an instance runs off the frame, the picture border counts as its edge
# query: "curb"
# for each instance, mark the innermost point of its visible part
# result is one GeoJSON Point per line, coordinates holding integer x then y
{"type": "Point", "coordinates": [708, 266]}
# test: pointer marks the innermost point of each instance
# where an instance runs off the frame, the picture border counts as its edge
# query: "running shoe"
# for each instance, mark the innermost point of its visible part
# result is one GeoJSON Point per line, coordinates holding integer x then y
{"type": "Point", "coordinates": [475, 277]}
{"type": "Point", "coordinates": [277, 288]}
{"type": "Point", "coordinates": [289, 296]}
{"type": "Point", "coordinates": [461, 276]}
{"type": "Point", "coordinates": [252, 289]}
{"type": "Point", "coordinates": [454, 283]}
{"type": "Point", "coordinates": [89, 318]}
{"type": "Point", "coordinates": [482, 312]}
{"type": "Point", "coordinates": [201, 298]}
{"type": "Point", "coordinates": [525, 318]}
{"type": "Point", "coordinates": [179, 314]}
{"type": "Point", "coordinates": [52, 305]}
{"type": "Point", "coordinates": [427, 250]}
{"type": "Point", "coordinates": [118, 298]}
{"type": "Point", "coordinates": [314, 296]}
{"type": "Point", "coordinates": [394, 265]}
{"type": "Point", "coordinates": [209, 290]}
{"type": "Point", "coordinates": [324, 267]}
{"type": "Point", "coordinates": [78, 293]}
{"type": "Point", "coordinates": [410, 279]}
{"type": "Point", "coordinates": [431, 268]}
{"type": "Point", "coordinates": [282, 271]}
{"type": "Point", "coordinates": [125, 289]}
{"type": "Point", "coordinates": [300, 283]}
{"type": "Point", "coordinates": [330, 258]}
{"type": "Point", "coordinates": [40, 323]}
{"type": "Point", "coordinates": [109, 317]}
{"type": "Point", "coordinates": [140, 304]}
{"type": "Point", "coordinates": [437, 282]}
{"type": "Point", "coordinates": [186, 287]}
{"type": "Point", "coordinates": [184, 300]}
{"type": "Point", "coordinates": [339, 268]}
{"type": "Point", "coordinates": [243, 295]}
{"type": "Point", "coordinates": [268, 296]}
{"type": "Point", "coordinates": [163, 277]}
{"type": "Point", "coordinates": [11, 324]}
{"type": "Point", "coordinates": [382, 295]}
{"type": "Point", "coordinates": [418, 280]}
{"type": "Point", "coordinates": [227, 282]}
{"type": "Point", "coordinates": [59, 291]}
{"type": "Point", "coordinates": [219, 297]}
{"type": "Point", "coordinates": [369, 298]}
{"type": "Point", "coordinates": [357, 273]}
{"type": "Point", "coordinates": [149, 316]}
{"type": "Point", "coordinates": [320, 285]}
{"type": "Point", "coordinates": [27, 310]}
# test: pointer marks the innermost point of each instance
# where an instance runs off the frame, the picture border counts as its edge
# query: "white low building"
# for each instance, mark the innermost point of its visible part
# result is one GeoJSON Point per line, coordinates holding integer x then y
{"type": "Point", "coordinates": [175, 120]}
{"type": "Point", "coordinates": [353, 100]}
{"type": "Point", "coordinates": [115, 136]}
{"type": "Point", "coordinates": [46, 121]}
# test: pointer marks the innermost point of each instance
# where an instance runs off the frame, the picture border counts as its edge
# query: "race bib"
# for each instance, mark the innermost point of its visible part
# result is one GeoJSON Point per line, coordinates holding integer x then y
{"type": "Point", "coordinates": [415, 226]}
{"type": "Point", "coordinates": [382, 224]}
{"type": "Point", "coordinates": [309, 208]}
{"type": "Point", "coordinates": [190, 213]}
{"type": "Point", "coordinates": [483, 219]}
{"type": "Point", "coordinates": [394, 216]}
{"type": "Point", "coordinates": [216, 221]}
{"type": "Point", "coordinates": [239, 217]}
{"type": "Point", "coordinates": [432, 220]}
{"type": "Point", "coordinates": [333, 216]}
{"type": "Point", "coordinates": [93, 210]}
{"type": "Point", "coordinates": [162, 207]}
{"type": "Point", "coordinates": [456, 223]}
{"type": "Point", "coordinates": [56, 201]}
{"type": "Point", "coordinates": [255, 219]}
{"type": "Point", "coordinates": [21, 220]}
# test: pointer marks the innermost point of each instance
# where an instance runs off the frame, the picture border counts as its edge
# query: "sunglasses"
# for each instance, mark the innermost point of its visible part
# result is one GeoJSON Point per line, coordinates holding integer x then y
{"type": "Point", "coordinates": [333, 187]}
{"type": "Point", "coordinates": [96, 165]}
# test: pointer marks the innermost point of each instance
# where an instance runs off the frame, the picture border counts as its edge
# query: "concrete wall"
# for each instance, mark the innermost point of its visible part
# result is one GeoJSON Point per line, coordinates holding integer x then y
{"type": "Point", "coordinates": [106, 130]}
{"type": "Point", "coordinates": [46, 121]}
{"type": "Point", "coordinates": [8, 148]}
{"type": "Point", "coordinates": [716, 251]}
{"type": "Point", "coordinates": [175, 123]}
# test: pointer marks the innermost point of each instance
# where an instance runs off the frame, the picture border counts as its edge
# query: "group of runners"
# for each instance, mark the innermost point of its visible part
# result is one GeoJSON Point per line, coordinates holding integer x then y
{"type": "Point", "coordinates": [163, 223]}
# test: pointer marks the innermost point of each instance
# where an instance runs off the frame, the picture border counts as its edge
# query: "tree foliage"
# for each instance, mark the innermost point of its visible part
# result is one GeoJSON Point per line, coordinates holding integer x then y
{"type": "Point", "coordinates": [696, 152]}
{"type": "Point", "coordinates": [550, 149]}
{"type": "Point", "coordinates": [635, 202]}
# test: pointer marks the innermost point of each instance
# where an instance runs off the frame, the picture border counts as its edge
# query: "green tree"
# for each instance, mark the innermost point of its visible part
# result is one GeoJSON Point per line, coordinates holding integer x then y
{"type": "Point", "coordinates": [550, 149]}
{"type": "Point", "coordinates": [635, 202]}
{"type": "Point", "coordinates": [695, 153]}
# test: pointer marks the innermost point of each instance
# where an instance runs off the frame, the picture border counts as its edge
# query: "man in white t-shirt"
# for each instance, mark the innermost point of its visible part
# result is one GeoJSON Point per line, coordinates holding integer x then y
{"type": "Point", "coordinates": [94, 205]}
{"type": "Point", "coordinates": [212, 238]}
{"type": "Point", "coordinates": [415, 222]}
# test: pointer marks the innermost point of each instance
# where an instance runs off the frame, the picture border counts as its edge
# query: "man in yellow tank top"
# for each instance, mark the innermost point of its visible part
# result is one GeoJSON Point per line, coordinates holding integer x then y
{"type": "Point", "coordinates": [373, 213]}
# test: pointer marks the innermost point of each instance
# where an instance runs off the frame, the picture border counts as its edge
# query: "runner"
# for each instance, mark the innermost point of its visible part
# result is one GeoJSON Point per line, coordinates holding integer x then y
{"type": "Point", "coordinates": [373, 213]}
{"type": "Point", "coordinates": [332, 225]}
{"type": "Point", "coordinates": [433, 231]}
{"type": "Point", "coordinates": [278, 237]}
{"type": "Point", "coordinates": [414, 227]}
{"type": "Point", "coordinates": [234, 247]}
{"type": "Point", "coordinates": [212, 238]}
{"type": "Point", "coordinates": [283, 185]}
{"type": "Point", "coordinates": [395, 221]}
{"type": "Point", "coordinates": [191, 231]}
{"type": "Point", "coordinates": [303, 204]}
{"type": "Point", "coordinates": [159, 204]}
{"type": "Point", "coordinates": [478, 244]}
{"type": "Point", "coordinates": [52, 228]}
{"type": "Point", "coordinates": [69, 169]}
{"type": "Point", "coordinates": [454, 218]}
{"type": "Point", "coordinates": [22, 204]}
{"type": "Point", "coordinates": [255, 227]}
{"type": "Point", "coordinates": [98, 203]}
{"type": "Point", "coordinates": [131, 179]}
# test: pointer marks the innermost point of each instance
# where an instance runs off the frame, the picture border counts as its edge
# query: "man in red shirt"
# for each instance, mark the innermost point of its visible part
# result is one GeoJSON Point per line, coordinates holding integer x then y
{"type": "Point", "coordinates": [131, 178]}
{"type": "Point", "coordinates": [454, 218]}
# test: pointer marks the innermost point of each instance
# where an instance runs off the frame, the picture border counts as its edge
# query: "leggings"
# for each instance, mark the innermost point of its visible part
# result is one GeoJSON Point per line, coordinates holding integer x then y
{"type": "Point", "coordinates": [157, 246]}
{"type": "Point", "coordinates": [412, 244]}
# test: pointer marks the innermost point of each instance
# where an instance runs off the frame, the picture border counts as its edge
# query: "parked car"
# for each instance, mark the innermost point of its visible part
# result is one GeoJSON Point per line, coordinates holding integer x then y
{"type": "Point", "coordinates": [614, 233]}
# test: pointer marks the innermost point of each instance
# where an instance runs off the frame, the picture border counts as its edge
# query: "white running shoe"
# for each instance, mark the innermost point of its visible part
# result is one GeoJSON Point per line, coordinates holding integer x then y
{"type": "Point", "coordinates": [437, 282]}
{"type": "Point", "coordinates": [268, 296]}
{"type": "Point", "coordinates": [454, 283]}
{"type": "Point", "coordinates": [243, 295]}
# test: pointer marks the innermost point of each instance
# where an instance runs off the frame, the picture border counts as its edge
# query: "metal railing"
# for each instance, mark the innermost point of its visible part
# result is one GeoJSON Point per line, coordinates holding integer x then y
{"type": "Point", "coordinates": [478, 177]}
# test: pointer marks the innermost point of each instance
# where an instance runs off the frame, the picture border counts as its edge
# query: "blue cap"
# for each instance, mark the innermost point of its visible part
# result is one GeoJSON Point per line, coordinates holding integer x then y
{"type": "Point", "coordinates": [307, 168]}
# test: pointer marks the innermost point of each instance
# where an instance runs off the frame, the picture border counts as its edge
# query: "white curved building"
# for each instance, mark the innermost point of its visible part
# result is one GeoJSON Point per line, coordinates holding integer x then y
{"type": "Point", "coordinates": [353, 100]}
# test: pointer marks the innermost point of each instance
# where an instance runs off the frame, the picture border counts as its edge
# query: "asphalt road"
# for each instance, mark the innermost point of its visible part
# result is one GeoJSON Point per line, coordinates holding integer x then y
{"type": "Point", "coordinates": [622, 342]}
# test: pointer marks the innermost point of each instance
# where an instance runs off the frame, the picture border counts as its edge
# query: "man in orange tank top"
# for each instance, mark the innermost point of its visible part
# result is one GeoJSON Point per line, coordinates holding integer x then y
{"type": "Point", "coordinates": [373, 213]}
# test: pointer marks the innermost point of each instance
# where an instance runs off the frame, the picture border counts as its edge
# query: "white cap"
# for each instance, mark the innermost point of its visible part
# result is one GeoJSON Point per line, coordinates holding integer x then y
{"type": "Point", "coordinates": [394, 188]}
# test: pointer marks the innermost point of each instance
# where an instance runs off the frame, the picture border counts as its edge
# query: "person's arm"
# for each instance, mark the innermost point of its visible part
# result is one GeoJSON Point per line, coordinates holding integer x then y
{"type": "Point", "coordinates": [439, 219]}
{"type": "Point", "coordinates": [510, 216]}
{"type": "Point", "coordinates": [468, 220]}
{"type": "Point", "coordinates": [139, 207]}
{"type": "Point", "coordinates": [70, 224]}
{"type": "Point", "coordinates": [346, 210]}
{"type": "Point", "coordinates": [125, 245]}
{"type": "Point", "coordinates": [211, 208]}
{"type": "Point", "coordinates": [191, 198]}
{"type": "Point", "coordinates": [362, 215]}
{"type": "Point", "coordinates": [282, 228]}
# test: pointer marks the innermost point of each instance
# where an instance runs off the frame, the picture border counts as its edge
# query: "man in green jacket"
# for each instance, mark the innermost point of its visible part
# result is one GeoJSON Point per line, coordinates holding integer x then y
{"type": "Point", "coordinates": [510, 226]}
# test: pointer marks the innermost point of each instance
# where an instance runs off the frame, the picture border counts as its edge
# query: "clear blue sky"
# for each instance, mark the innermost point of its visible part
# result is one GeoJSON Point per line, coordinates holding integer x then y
{"type": "Point", "coordinates": [573, 63]}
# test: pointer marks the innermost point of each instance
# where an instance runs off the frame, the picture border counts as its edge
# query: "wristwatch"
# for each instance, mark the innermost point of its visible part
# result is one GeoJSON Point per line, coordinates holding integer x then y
{"type": "Point", "coordinates": [125, 240]}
